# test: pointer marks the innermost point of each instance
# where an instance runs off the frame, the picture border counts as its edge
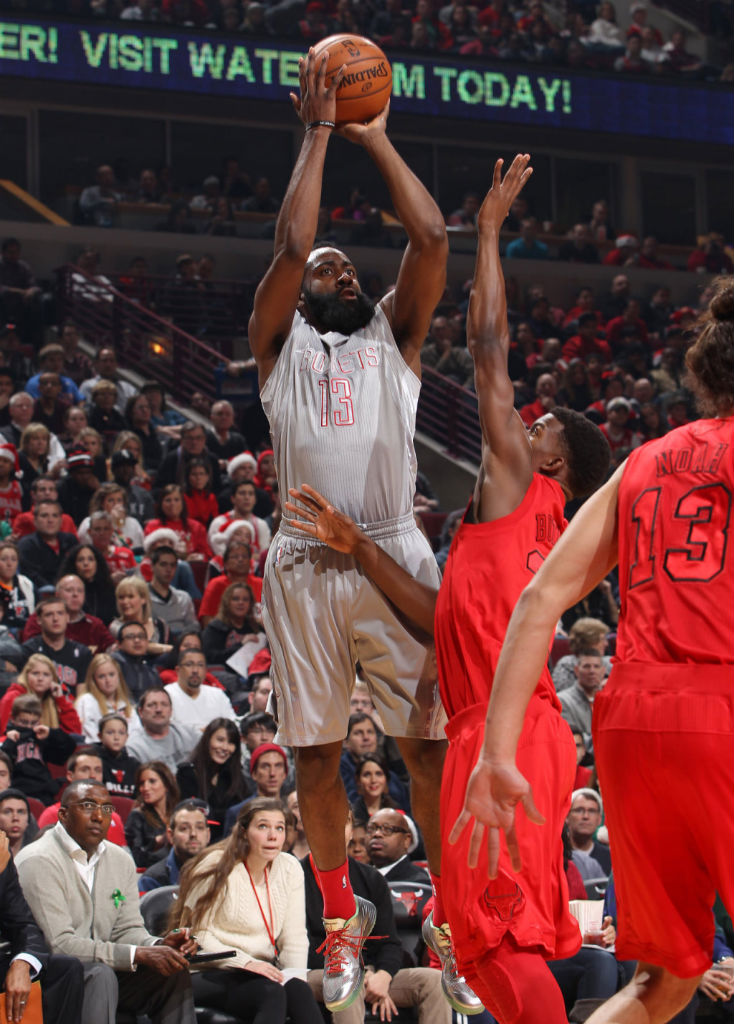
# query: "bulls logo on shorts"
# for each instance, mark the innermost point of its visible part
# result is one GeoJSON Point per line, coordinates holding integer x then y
{"type": "Point", "coordinates": [503, 905]}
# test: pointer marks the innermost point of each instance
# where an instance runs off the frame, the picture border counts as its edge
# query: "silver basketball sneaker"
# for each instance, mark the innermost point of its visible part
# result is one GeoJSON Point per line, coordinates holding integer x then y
{"type": "Point", "coordinates": [342, 949]}
{"type": "Point", "coordinates": [455, 987]}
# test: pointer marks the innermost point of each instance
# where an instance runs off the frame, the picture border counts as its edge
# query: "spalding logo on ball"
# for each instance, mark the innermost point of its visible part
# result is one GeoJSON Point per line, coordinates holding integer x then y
{"type": "Point", "coordinates": [367, 82]}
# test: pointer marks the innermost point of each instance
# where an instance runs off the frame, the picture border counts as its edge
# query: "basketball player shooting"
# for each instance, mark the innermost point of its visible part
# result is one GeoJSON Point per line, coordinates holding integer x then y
{"type": "Point", "coordinates": [503, 928]}
{"type": "Point", "coordinates": [662, 725]}
{"type": "Point", "coordinates": [339, 382]}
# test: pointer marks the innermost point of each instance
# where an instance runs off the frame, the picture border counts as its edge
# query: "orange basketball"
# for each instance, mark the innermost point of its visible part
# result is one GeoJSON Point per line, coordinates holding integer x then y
{"type": "Point", "coordinates": [367, 82]}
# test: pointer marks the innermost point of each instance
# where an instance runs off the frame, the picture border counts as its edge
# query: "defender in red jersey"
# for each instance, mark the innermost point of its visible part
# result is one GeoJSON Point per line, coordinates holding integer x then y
{"type": "Point", "coordinates": [663, 723]}
{"type": "Point", "coordinates": [502, 928]}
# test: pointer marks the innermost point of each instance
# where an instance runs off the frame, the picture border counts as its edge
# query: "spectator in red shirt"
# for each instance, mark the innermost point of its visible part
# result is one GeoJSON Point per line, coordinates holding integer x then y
{"type": "Point", "coordinates": [545, 399]}
{"type": "Point", "coordinates": [172, 513]}
{"type": "Point", "coordinates": [237, 569]}
{"type": "Point", "coordinates": [622, 330]}
{"type": "Point", "coordinates": [438, 33]}
{"type": "Point", "coordinates": [43, 488]}
{"type": "Point", "coordinates": [649, 258]}
{"type": "Point", "coordinates": [709, 256]}
{"type": "Point", "coordinates": [624, 252]}
{"type": "Point", "coordinates": [314, 26]}
{"type": "Point", "coordinates": [587, 341]}
{"type": "Point", "coordinates": [584, 304]}
{"type": "Point", "coordinates": [201, 503]}
{"type": "Point", "coordinates": [119, 560]}
{"type": "Point", "coordinates": [617, 429]}
{"type": "Point", "coordinates": [638, 12]}
{"type": "Point", "coordinates": [11, 495]}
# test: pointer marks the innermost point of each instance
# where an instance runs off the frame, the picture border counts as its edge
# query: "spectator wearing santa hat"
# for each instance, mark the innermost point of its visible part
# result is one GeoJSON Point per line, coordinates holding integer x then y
{"type": "Point", "coordinates": [624, 253]}
{"type": "Point", "coordinates": [238, 529]}
{"type": "Point", "coordinates": [184, 577]}
{"type": "Point", "coordinates": [243, 467]}
{"type": "Point", "coordinates": [11, 495]}
{"type": "Point", "coordinates": [244, 499]}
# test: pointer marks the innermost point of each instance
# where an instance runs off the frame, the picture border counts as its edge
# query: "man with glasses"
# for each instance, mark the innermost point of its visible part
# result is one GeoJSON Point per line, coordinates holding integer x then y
{"type": "Point", "coordinates": [85, 763]}
{"type": "Point", "coordinates": [131, 656]}
{"type": "Point", "coordinates": [388, 983]}
{"type": "Point", "coordinates": [83, 893]}
{"type": "Point", "coordinates": [391, 836]}
{"type": "Point", "coordinates": [195, 705]}
{"type": "Point", "coordinates": [591, 857]}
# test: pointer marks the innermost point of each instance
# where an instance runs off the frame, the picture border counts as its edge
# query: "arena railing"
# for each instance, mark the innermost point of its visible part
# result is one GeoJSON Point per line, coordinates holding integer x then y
{"type": "Point", "coordinates": [144, 341]}
{"type": "Point", "coordinates": [449, 415]}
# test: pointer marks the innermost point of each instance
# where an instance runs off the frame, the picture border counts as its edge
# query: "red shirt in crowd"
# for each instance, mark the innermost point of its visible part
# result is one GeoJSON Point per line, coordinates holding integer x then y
{"type": "Point", "coordinates": [24, 524]}
{"type": "Point", "coordinates": [580, 348]}
{"type": "Point", "coordinates": [11, 502]}
{"type": "Point", "coordinates": [215, 588]}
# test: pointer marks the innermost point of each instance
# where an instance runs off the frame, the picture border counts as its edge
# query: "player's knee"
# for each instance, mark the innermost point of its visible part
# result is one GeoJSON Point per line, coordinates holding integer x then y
{"type": "Point", "coordinates": [662, 993]}
{"type": "Point", "coordinates": [424, 759]}
{"type": "Point", "coordinates": [317, 766]}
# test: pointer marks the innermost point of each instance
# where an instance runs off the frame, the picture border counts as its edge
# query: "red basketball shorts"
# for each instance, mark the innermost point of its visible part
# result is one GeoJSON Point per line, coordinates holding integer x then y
{"type": "Point", "coordinates": [665, 757]}
{"type": "Point", "coordinates": [531, 905]}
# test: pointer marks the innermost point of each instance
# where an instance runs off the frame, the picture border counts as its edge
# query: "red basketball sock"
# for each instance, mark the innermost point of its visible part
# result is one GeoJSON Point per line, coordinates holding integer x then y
{"type": "Point", "coordinates": [439, 914]}
{"type": "Point", "coordinates": [337, 892]}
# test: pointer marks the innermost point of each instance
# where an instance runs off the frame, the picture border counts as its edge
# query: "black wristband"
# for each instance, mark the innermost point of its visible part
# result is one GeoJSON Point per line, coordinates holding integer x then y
{"type": "Point", "coordinates": [320, 124]}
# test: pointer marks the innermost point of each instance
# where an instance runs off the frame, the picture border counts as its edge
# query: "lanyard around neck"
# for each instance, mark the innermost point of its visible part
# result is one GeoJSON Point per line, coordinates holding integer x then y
{"type": "Point", "coordinates": [269, 928]}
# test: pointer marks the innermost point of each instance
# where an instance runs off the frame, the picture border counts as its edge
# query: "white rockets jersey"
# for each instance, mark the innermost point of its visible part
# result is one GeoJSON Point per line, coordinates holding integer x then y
{"type": "Point", "coordinates": [342, 416]}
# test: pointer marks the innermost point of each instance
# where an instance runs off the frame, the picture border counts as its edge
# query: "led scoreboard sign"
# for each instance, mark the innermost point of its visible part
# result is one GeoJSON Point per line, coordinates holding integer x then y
{"type": "Point", "coordinates": [149, 57]}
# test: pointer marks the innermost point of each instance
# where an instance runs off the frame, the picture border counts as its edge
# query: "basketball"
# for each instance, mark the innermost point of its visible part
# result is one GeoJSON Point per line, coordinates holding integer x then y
{"type": "Point", "coordinates": [367, 82]}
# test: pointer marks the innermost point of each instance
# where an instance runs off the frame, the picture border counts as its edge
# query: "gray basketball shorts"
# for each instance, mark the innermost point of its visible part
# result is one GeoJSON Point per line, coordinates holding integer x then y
{"type": "Point", "coordinates": [322, 615]}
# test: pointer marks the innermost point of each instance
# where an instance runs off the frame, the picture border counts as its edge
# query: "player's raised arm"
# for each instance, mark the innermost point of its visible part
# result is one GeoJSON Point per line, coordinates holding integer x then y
{"type": "Point", "coordinates": [278, 292]}
{"type": "Point", "coordinates": [583, 556]}
{"type": "Point", "coordinates": [321, 520]}
{"type": "Point", "coordinates": [505, 463]}
{"type": "Point", "coordinates": [422, 276]}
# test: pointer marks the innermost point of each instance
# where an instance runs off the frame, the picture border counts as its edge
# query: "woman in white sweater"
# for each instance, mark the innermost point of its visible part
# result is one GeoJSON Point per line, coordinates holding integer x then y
{"type": "Point", "coordinates": [244, 894]}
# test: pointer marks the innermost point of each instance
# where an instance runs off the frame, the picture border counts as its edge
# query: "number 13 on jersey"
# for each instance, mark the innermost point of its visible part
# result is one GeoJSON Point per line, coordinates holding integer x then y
{"type": "Point", "coordinates": [695, 537]}
{"type": "Point", "coordinates": [336, 398]}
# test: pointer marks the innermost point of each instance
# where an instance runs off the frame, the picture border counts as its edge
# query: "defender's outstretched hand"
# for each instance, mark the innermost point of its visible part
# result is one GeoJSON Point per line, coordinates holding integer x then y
{"type": "Point", "coordinates": [321, 520]}
{"type": "Point", "coordinates": [504, 191]}
{"type": "Point", "coordinates": [493, 792]}
{"type": "Point", "coordinates": [317, 101]}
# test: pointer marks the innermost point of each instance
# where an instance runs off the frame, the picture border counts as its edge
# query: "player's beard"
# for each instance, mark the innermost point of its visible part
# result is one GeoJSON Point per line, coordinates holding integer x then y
{"type": "Point", "coordinates": [334, 314]}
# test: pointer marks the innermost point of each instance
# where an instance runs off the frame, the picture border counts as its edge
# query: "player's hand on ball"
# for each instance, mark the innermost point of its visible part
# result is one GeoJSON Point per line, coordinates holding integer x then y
{"type": "Point", "coordinates": [361, 134]}
{"type": "Point", "coordinates": [504, 191]}
{"type": "Point", "coordinates": [317, 101]}
{"type": "Point", "coordinates": [493, 792]}
{"type": "Point", "coordinates": [321, 520]}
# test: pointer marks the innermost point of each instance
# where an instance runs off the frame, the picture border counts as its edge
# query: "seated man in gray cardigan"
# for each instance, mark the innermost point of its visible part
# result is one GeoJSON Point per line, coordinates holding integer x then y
{"type": "Point", "coordinates": [84, 895]}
